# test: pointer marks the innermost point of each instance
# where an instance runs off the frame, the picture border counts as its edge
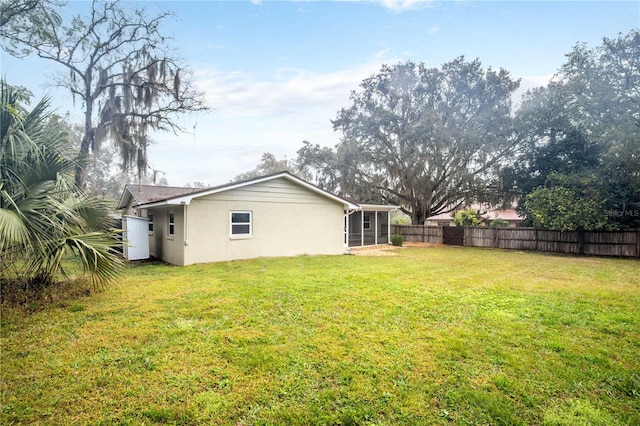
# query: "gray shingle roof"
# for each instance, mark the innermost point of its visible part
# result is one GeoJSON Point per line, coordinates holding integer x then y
{"type": "Point", "coordinates": [147, 193]}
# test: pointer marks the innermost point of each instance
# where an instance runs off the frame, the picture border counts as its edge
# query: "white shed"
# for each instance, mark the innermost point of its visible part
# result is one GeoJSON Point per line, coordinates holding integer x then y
{"type": "Point", "coordinates": [135, 237]}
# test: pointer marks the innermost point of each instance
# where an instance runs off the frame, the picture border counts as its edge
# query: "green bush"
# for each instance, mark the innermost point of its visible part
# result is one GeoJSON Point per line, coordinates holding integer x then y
{"type": "Point", "coordinates": [499, 223]}
{"type": "Point", "coordinates": [397, 240]}
{"type": "Point", "coordinates": [467, 217]}
{"type": "Point", "coordinates": [400, 219]}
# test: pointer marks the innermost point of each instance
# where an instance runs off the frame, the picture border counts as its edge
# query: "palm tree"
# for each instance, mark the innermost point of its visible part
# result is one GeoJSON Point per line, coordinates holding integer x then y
{"type": "Point", "coordinates": [44, 217]}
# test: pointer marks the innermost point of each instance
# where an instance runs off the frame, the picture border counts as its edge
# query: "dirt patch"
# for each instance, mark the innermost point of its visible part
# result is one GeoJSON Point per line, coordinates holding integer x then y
{"type": "Point", "coordinates": [375, 251]}
{"type": "Point", "coordinates": [410, 244]}
{"type": "Point", "coordinates": [386, 250]}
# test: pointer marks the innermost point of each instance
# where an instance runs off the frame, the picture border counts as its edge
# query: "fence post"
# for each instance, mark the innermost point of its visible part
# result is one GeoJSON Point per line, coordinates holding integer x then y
{"type": "Point", "coordinates": [581, 241]}
{"type": "Point", "coordinates": [638, 243]}
{"type": "Point", "coordinates": [537, 249]}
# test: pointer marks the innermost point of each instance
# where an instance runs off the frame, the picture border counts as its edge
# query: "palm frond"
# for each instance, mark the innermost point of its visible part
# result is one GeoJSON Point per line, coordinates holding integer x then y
{"type": "Point", "coordinates": [44, 216]}
{"type": "Point", "coordinates": [97, 252]}
{"type": "Point", "coordinates": [12, 230]}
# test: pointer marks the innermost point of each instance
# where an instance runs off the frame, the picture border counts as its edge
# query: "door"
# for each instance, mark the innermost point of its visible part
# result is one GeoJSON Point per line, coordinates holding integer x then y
{"type": "Point", "coordinates": [453, 235]}
{"type": "Point", "coordinates": [135, 240]}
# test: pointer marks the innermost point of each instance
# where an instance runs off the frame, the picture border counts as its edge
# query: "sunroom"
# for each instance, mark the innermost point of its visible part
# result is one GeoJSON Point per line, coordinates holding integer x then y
{"type": "Point", "coordinates": [369, 225]}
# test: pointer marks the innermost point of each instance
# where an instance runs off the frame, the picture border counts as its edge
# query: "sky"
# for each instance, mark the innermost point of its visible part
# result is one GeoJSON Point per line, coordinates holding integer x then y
{"type": "Point", "coordinates": [275, 73]}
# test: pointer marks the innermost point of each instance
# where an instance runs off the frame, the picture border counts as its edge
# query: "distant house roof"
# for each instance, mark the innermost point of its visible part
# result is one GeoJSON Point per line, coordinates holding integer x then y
{"type": "Point", "coordinates": [442, 216]}
{"type": "Point", "coordinates": [510, 215]}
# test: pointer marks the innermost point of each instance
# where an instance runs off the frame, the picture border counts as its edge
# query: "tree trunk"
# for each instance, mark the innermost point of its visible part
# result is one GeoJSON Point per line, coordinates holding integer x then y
{"type": "Point", "coordinates": [89, 134]}
{"type": "Point", "coordinates": [418, 214]}
{"type": "Point", "coordinates": [81, 170]}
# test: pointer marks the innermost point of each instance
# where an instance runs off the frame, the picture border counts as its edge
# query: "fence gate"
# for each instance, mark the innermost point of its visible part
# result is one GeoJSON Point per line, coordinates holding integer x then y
{"type": "Point", "coordinates": [453, 236]}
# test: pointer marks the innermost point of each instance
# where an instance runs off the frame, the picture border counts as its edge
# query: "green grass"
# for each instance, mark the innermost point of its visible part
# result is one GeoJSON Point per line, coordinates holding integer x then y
{"type": "Point", "coordinates": [431, 336]}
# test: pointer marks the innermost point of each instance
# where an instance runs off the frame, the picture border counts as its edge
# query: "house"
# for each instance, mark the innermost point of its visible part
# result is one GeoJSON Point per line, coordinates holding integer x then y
{"type": "Point", "coordinates": [509, 215]}
{"type": "Point", "coordinates": [134, 195]}
{"type": "Point", "coordinates": [442, 219]}
{"type": "Point", "coordinates": [269, 216]}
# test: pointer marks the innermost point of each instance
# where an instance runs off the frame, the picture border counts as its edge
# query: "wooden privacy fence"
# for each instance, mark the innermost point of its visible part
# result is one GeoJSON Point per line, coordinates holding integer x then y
{"type": "Point", "coordinates": [595, 243]}
{"type": "Point", "coordinates": [419, 233]}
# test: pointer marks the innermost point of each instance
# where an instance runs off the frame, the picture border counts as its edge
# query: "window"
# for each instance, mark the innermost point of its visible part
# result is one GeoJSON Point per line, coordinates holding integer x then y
{"type": "Point", "coordinates": [241, 224]}
{"type": "Point", "coordinates": [366, 224]}
{"type": "Point", "coordinates": [150, 219]}
{"type": "Point", "coordinates": [172, 224]}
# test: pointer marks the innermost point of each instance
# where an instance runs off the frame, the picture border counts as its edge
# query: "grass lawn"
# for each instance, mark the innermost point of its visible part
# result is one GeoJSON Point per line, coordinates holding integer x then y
{"type": "Point", "coordinates": [431, 336]}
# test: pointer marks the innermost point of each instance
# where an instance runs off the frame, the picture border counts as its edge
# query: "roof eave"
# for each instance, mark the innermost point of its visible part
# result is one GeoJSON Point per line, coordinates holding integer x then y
{"type": "Point", "coordinates": [121, 204]}
{"type": "Point", "coordinates": [379, 207]}
{"type": "Point", "coordinates": [161, 203]}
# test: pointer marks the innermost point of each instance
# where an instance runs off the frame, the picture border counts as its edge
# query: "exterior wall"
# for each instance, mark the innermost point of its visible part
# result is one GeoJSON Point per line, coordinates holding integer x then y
{"type": "Point", "coordinates": [449, 222]}
{"type": "Point", "coordinates": [152, 239]}
{"type": "Point", "coordinates": [161, 245]}
{"type": "Point", "coordinates": [129, 210]}
{"type": "Point", "coordinates": [287, 220]}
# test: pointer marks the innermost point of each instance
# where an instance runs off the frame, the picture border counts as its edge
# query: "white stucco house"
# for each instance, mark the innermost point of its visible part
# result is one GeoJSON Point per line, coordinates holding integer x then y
{"type": "Point", "coordinates": [269, 216]}
{"type": "Point", "coordinates": [510, 215]}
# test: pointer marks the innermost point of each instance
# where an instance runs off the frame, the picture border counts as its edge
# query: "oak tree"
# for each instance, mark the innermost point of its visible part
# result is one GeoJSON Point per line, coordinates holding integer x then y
{"type": "Point", "coordinates": [429, 139]}
{"type": "Point", "coordinates": [119, 65]}
{"type": "Point", "coordinates": [584, 129]}
{"type": "Point", "coordinates": [269, 164]}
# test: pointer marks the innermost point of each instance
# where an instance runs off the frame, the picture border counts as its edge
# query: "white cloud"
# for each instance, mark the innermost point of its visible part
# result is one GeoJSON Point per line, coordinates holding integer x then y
{"type": "Point", "coordinates": [252, 115]}
{"type": "Point", "coordinates": [400, 5]}
{"type": "Point", "coordinates": [528, 83]}
{"type": "Point", "coordinates": [290, 91]}
{"type": "Point", "coordinates": [383, 53]}
{"type": "Point", "coordinates": [432, 30]}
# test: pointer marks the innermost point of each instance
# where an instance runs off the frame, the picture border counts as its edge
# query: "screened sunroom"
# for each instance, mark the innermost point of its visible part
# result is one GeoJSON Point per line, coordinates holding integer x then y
{"type": "Point", "coordinates": [369, 225]}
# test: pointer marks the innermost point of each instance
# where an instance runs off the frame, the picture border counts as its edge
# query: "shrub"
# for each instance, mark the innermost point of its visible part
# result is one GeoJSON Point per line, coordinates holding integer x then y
{"type": "Point", "coordinates": [499, 223]}
{"type": "Point", "coordinates": [400, 219]}
{"type": "Point", "coordinates": [466, 218]}
{"type": "Point", "coordinates": [397, 240]}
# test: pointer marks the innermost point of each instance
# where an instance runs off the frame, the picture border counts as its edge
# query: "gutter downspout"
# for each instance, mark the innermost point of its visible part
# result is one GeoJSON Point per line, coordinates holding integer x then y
{"type": "Point", "coordinates": [185, 233]}
{"type": "Point", "coordinates": [186, 227]}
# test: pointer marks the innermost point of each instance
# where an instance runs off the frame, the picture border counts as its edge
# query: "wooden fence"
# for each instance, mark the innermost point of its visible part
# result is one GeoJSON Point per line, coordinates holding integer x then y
{"type": "Point", "coordinates": [594, 243]}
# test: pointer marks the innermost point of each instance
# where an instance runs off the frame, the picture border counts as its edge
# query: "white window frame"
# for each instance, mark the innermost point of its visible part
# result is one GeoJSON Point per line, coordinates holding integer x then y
{"type": "Point", "coordinates": [151, 225]}
{"type": "Point", "coordinates": [170, 223]}
{"type": "Point", "coordinates": [366, 221]}
{"type": "Point", "coordinates": [232, 223]}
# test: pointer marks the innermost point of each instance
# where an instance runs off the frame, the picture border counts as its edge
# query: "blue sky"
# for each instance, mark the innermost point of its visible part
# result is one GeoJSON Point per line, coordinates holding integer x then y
{"type": "Point", "coordinates": [276, 72]}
